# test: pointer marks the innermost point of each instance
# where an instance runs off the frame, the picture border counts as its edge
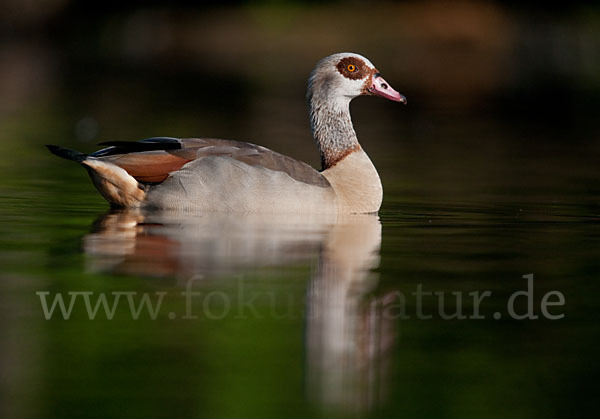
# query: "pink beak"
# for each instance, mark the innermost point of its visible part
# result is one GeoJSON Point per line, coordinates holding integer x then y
{"type": "Point", "coordinates": [381, 88]}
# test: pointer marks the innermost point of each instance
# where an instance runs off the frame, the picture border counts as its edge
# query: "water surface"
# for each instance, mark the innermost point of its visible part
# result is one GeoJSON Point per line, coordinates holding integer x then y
{"type": "Point", "coordinates": [302, 316]}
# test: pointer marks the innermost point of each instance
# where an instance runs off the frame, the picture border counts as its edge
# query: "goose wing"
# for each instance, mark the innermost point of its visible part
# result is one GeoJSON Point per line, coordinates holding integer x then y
{"type": "Point", "coordinates": [153, 159]}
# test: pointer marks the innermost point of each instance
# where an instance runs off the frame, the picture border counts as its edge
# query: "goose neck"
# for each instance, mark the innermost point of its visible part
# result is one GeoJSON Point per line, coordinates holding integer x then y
{"type": "Point", "coordinates": [332, 129]}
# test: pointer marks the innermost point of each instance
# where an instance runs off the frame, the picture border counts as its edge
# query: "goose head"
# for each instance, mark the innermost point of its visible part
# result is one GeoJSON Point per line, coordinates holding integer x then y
{"type": "Point", "coordinates": [339, 78]}
{"type": "Point", "coordinates": [335, 81]}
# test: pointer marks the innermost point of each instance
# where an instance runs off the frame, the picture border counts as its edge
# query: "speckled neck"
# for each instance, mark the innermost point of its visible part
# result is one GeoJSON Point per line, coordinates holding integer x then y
{"type": "Point", "coordinates": [331, 124]}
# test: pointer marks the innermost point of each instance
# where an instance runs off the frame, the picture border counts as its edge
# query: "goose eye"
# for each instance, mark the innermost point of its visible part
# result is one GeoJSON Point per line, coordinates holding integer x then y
{"type": "Point", "coordinates": [351, 68]}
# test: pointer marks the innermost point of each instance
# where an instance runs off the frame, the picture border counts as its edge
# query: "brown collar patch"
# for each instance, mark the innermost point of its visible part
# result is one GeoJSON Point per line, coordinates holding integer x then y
{"type": "Point", "coordinates": [331, 159]}
{"type": "Point", "coordinates": [353, 68]}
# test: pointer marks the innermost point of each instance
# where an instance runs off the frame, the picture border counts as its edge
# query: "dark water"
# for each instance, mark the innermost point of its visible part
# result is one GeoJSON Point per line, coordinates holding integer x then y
{"type": "Point", "coordinates": [311, 316]}
{"type": "Point", "coordinates": [491, 189]}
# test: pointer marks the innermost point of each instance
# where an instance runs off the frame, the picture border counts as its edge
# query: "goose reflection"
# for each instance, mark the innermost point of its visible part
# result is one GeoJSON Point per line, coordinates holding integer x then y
{"type": "Point", "coordinates": [347, 338]}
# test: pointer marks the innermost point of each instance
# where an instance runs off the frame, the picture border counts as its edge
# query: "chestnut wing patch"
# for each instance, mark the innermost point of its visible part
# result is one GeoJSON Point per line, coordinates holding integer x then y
{"type": "Point", "coordinates": [155, 166]}
{"type": "Point", "coordinates": [148, 166]}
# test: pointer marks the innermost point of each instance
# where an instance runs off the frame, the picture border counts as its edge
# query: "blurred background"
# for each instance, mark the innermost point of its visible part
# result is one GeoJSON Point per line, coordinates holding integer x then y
{"type": "Point", "coordinates": [486, 80]}
{"type": "Point", "coordinates": [490, 172]}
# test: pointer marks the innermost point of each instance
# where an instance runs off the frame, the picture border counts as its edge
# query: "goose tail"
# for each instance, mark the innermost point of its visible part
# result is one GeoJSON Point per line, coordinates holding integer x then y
{"type": "Point", "coordinates": [117, 186]}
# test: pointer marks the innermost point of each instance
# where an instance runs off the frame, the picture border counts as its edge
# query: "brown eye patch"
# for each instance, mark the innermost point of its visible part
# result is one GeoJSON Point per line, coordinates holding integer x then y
{"type": "Point", "coordinates": [352, 68]}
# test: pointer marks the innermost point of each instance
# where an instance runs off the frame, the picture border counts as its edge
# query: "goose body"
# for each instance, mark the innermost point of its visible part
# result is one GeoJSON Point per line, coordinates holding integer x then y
{"type": "Point", "coordinates": [205, 174]}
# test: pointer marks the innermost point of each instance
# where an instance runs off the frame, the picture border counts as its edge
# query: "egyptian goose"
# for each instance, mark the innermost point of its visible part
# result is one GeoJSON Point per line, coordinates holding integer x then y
{"type": "Point", "coordinates": [222, 175]}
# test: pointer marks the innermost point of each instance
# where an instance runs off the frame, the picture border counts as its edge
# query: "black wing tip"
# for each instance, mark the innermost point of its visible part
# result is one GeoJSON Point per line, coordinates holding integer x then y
{"type": "Point", "coordinates": [153, 140]}
{"type": "Point", "coordinates": [149, 144]}
{"type": "Point", "coordinates": [66, 153]}
{"type": "Point", "coordinates": [119, 147]}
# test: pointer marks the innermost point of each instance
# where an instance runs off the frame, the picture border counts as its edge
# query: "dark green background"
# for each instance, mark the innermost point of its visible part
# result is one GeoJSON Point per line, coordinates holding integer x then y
{"type": "Point", "coordinates": [490, 173]}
